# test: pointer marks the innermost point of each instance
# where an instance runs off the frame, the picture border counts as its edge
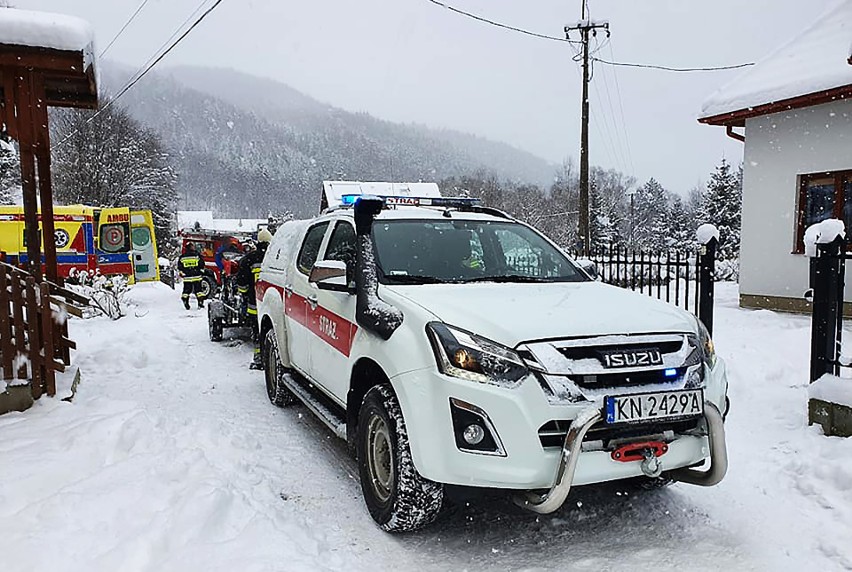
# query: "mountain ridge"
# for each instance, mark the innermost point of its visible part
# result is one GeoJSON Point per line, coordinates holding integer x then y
{"type": "Point", "coordinates": [249, 146]}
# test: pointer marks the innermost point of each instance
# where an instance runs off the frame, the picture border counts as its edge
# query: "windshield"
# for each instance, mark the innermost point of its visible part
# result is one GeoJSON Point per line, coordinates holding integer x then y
{"type": "Point", "coordinates": [434, 251]}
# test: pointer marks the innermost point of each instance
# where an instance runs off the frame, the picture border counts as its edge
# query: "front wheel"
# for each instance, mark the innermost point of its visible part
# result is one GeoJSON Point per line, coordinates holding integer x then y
{"type": "Point", "coordinates": [208, 287]}
{"type": "Point", "coordinates": [273, 372]}
{"type": "Point", "coordinates": [398, 497]}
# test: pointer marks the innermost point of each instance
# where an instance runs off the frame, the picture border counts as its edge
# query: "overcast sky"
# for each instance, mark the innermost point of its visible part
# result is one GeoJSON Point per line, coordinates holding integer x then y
{"type": "Point", "coordinates": [412, 61]}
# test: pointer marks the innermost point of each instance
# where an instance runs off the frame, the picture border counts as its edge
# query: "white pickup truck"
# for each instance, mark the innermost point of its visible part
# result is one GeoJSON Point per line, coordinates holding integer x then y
{"type": "Point", "coordinates": [452, 345]}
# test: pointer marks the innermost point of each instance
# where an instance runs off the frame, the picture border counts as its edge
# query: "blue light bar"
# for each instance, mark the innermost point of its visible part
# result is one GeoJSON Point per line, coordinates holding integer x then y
{"type": "Point", "coordinates": [670, 373]}
{"type": "Point", "coordinates": [398, 201]}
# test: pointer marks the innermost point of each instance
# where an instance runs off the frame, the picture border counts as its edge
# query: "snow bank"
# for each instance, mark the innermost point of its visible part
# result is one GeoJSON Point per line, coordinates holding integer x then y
{"type": "Point", "coordinates": [832, 389]}
{"type": "Point", "coordinates": [705, 232]}
{"type": "Point", "coordinates": [45, 30]}
{"type": "Point", "coordinates": [813, 61]}
{"type": "Point", "coordinates": [824, 232]}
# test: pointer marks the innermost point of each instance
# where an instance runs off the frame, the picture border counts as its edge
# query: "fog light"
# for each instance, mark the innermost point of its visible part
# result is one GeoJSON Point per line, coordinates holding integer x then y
{"type": "Point", "coordinates": [473, 434]}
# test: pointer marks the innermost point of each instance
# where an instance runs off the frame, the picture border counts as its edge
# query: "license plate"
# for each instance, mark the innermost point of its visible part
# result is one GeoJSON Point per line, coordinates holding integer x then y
{"type": "Point", "coordinates": [654, 406]}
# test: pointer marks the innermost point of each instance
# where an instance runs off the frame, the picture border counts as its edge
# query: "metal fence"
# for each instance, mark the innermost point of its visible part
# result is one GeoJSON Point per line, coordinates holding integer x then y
{"type": "Point", "coordinates": [682, 278]}
{"type": "Point", "coordinates": [671, 276]}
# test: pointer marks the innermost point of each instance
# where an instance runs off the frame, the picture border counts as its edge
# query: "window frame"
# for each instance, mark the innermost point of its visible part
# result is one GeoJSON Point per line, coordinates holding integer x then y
{"type": "Point", "coordinates": [350, 269]}
{"type": "Point", "coordinates": [327, 225]}
{"type": "Point", "coordinates": [840, 177]}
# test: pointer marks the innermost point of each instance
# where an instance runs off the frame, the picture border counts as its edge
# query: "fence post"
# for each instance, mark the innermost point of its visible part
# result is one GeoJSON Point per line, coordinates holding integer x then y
{"type": "Point", "coordinates": [827, 280]}
{"type": "Point", "coordinates": [706, 284]}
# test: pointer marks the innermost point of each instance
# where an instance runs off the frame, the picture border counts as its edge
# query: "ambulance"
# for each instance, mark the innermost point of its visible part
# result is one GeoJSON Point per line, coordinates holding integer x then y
{"type": "Point", "coordinates": [111, 241]}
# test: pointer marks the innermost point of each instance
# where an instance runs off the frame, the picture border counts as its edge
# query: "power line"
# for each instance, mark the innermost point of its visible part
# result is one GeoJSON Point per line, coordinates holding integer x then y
{"type": "Point", "coordinates": [623, 117]}
{"type": "Point", "coordinates": [124, 27]}
{"type": "Point", "coordinates": [620, 126]}
{"type": "Point", "coordinates": [671, 69]}
{"type": "Point", "coordinates": [566, 40]}
{"type": "Point", "coordinates": [149, 66]}
{"type": "Point", "coordinates": [174, 35]}
{"type": "Point", "coordinates": [501, 25]}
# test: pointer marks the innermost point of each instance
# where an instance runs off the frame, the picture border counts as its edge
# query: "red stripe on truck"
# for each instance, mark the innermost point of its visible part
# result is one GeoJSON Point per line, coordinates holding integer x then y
{"type": "Point", "coordinates": [336, 331]}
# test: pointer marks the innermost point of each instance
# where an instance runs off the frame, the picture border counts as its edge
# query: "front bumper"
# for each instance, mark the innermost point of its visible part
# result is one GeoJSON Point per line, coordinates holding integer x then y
{"type": "Point", "coordinates": [516, 416]}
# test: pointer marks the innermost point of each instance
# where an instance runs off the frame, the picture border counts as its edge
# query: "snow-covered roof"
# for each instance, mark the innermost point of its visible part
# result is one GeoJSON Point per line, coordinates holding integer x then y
{"type": "Point", "coordinates": [44, 30]}
{"type": "Point", "coordinates": [205, 220]}
{"type": "Point", "coordinates": [813, 62]}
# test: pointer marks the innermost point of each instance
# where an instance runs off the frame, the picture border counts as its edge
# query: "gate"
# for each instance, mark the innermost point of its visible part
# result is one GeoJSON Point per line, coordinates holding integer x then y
{"type": "Point", "coordinates": [34, 342]}
{"type": "Point", "coordinates": [826, 407]}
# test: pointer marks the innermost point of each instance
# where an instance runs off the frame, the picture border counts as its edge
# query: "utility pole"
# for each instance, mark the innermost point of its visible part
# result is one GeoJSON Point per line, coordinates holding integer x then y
{"type": "Point", "coordinates": [587, 28]}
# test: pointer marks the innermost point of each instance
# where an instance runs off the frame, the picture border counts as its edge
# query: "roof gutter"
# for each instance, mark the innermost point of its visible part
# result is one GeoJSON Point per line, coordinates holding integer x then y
{"type": "Point", "coordinates": [729, 131]}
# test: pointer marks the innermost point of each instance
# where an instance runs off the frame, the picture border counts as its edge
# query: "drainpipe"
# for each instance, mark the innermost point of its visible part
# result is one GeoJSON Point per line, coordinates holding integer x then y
{"type": "Point", "coordinates": [734, 135]}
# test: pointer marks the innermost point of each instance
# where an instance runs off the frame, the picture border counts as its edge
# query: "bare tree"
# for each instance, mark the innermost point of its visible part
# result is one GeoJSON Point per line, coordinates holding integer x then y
{"type": "Point", "coordinates": [110, 160]}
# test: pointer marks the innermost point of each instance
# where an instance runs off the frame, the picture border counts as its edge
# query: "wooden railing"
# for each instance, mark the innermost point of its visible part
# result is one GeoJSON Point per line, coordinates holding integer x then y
{"type": "Point", "coordinates": [34, 342]}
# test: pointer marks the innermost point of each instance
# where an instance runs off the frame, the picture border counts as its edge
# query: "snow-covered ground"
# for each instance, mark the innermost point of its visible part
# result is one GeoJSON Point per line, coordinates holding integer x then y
{"type": "Point", "coordinates": [171, 458]}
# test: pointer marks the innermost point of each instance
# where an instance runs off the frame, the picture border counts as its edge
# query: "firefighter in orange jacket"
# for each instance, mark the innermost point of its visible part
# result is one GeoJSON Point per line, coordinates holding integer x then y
{"type": "Point", "coordinates": [191, 266]}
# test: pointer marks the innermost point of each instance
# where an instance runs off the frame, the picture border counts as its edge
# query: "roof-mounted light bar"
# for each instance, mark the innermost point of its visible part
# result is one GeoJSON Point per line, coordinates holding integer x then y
{"type": "Point", "coordinates": [396, 201]}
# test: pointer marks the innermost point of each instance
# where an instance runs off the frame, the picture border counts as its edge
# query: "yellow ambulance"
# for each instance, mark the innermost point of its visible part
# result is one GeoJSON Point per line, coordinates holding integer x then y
{"type": "Point", "coordinates": [109, 240]}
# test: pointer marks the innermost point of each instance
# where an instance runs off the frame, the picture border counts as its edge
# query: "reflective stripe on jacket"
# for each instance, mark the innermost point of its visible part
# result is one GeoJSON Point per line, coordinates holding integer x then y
{"type": "Point", "coordinates": [191, 265]}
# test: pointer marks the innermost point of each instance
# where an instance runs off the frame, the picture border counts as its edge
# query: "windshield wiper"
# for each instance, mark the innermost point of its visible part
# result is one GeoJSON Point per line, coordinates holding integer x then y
{"type": "Point", "coordinates": [413, 279]}
{"type": "Point", "coordinates": [509, 278]}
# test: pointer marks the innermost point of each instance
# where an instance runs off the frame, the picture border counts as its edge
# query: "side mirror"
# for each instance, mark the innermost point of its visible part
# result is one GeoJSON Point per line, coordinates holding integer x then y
{"type": "Point", "coordinates": [329, 275]}
{"type": "Point", "coordinates": [589, 267]}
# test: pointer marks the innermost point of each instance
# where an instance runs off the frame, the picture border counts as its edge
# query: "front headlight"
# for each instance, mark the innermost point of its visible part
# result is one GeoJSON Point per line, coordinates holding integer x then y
{"type": "Point", "coordinates": [467, 356]}
{"type": "Point", "coordinates": [707, 348]}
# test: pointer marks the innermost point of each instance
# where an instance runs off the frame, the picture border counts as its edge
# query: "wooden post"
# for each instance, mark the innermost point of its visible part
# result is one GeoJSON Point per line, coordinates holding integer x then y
{"type": "Point", "coordinates": [42, 147]}
{"type": "Point", "coordinates": [34, 342]}
{"type": "Point", "coordinates": [26, 142]}
{"type": "Point", "coordinates": [18, 321]}
{"type": "Point", "coordinates": [49, 329]}
{"type": "Point", "coordinates": [7, 346]}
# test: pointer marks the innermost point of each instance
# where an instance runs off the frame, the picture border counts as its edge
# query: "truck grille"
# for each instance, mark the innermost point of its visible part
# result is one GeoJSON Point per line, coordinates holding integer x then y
{"type": "Point", "coordinates": [570, 366]}
{"type": "Point", "coordinates": [552, 433]}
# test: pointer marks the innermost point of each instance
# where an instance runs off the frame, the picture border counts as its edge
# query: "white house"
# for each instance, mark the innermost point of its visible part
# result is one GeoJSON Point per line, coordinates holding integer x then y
{"type": "Point", "coordinates": [796, 110]}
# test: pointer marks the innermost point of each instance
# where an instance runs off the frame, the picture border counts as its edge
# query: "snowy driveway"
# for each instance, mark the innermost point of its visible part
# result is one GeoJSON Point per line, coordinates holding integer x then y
{"type": "Point", "coordinates": [171, 458]}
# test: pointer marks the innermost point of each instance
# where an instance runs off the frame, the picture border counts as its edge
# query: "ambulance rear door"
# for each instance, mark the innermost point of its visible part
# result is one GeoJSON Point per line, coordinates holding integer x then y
{"type": "Point", "coordinates": [113, 241]}
{"type": "Point", "coordinates": [144, 244]}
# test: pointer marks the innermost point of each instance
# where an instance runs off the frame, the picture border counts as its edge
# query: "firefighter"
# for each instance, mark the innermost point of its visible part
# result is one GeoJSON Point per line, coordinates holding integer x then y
{"type": "Point", "coordinates": [190, 266]}
{"type": "Point", "coordinates": [246, 281]}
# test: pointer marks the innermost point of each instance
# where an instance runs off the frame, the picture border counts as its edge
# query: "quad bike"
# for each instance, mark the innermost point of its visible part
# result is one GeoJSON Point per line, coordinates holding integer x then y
{"type": "Point", "coordinates": [227, 308]}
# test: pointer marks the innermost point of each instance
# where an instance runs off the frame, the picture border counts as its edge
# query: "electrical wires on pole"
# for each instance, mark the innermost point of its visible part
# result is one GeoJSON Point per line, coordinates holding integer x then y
{"type": "Point", "coordinates": [587, 29]}
{"type": "Point", "coordinates": [153, 61]}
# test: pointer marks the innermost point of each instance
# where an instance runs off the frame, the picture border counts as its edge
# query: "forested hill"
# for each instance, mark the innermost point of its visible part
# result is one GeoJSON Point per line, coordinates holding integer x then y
{"type": "Point", "coordinates": [247, 146]}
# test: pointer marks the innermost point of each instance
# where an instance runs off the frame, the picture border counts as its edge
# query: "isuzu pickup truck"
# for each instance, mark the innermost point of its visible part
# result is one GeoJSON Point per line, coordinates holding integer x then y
{"type": "Point", "coordinates": [452, 345]}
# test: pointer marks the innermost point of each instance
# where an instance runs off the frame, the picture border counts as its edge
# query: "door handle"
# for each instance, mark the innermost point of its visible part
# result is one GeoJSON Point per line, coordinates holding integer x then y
{"type": "Point", "coordinates": [313, 301]}
{"type": "Point", "coordinates": [288, 289]}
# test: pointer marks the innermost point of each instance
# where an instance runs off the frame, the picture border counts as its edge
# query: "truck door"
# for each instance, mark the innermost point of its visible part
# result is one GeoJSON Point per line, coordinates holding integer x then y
{"type": "Point", "coordinates": [300, 298]}
{"type": "Point", "coordinates": [333, 319]}
{"type": "Point", "coordinates": [144, 245]}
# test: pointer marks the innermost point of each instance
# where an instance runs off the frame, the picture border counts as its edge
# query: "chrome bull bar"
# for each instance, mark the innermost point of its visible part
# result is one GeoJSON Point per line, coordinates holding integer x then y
{"type": "Point", "coordinates": [553, 499]}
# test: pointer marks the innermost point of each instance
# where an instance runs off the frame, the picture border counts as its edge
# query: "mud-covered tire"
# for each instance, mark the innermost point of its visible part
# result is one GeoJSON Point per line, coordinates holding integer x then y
{"type": "Point", "coordinates": [214, 326]}
{"type": "Point", "coordinates": [398, 497]}
{"type": "Point", "coordinates": [273, 372]}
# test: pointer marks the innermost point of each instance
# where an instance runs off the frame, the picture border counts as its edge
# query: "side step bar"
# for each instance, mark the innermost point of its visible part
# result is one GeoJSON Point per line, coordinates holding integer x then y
{"type": "Point", "coordinates": [326, 414]}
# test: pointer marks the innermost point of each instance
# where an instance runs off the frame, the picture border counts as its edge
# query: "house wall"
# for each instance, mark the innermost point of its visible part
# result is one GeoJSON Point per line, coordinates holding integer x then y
{"type": "Point", "coordinates": [778, 148]}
